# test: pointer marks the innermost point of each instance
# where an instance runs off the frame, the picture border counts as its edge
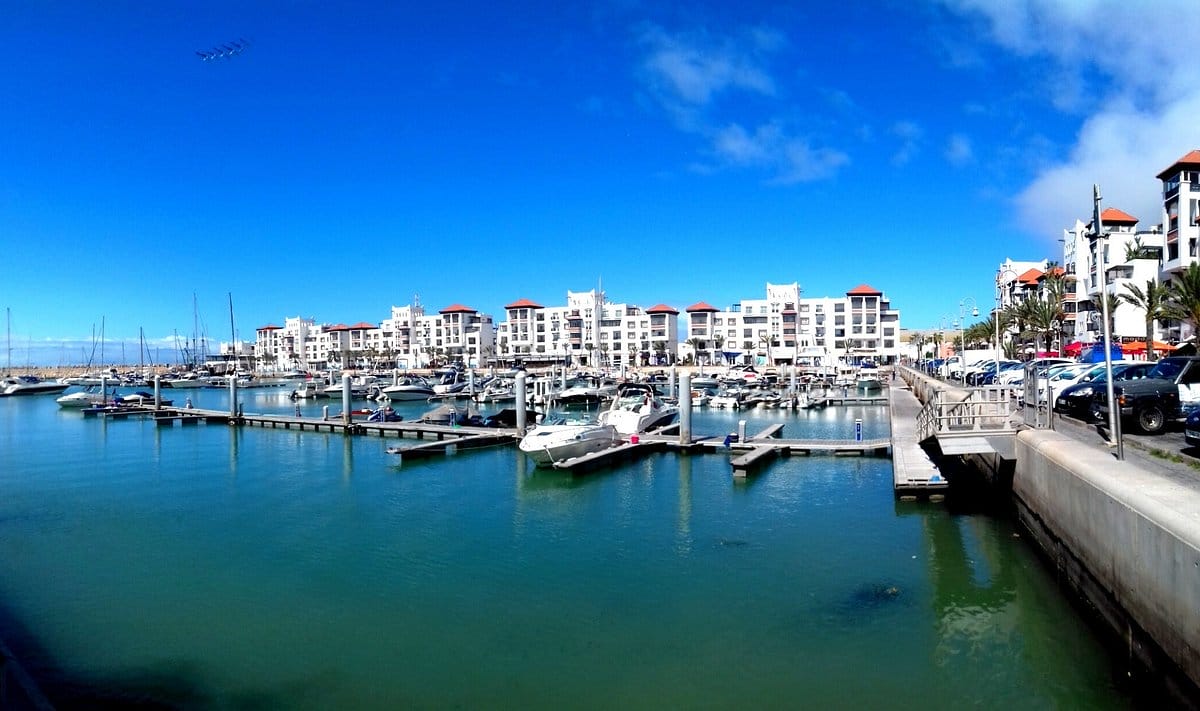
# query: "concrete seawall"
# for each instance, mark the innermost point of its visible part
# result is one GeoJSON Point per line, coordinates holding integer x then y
{"type": "Point", "coordinates": [1127, 539]}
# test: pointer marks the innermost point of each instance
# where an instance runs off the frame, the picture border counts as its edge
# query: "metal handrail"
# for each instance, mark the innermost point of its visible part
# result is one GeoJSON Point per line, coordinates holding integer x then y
{"type": "Point", "coordinates": [984, 410]}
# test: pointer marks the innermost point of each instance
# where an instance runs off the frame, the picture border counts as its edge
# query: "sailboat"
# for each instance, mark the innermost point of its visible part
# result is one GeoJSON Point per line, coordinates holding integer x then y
{"type": "Point", "coordinates": [24, 384]}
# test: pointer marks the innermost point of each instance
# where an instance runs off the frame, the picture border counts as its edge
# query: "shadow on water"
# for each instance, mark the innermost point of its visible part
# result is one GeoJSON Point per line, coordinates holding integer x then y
{"type": "Point", "coordinates": [164, 685]}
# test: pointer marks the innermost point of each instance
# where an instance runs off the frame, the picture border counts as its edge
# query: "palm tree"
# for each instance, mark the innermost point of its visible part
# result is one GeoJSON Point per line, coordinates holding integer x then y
{"type": "Point", "coordinates": [765, 342]}
{"type": "Point", "coordinates": [1152, 302]}
{"type": "Point", "coordinates": [1183, 297]}
{"type": "Point", "coordinates": [718, 343]}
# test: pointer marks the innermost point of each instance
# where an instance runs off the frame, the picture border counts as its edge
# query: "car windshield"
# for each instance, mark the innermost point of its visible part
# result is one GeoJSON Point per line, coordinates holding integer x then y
{"type": "Point", "coordinates": [1167, 369]}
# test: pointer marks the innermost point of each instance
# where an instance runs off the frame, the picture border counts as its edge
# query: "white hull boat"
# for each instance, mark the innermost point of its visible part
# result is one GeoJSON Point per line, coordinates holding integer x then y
{"type": "Point", "coordinates": [30, 385]}
{"type": "Point", "coordinates": [637, 408]}
{"type": "Point", "coordinates": [548, 444]}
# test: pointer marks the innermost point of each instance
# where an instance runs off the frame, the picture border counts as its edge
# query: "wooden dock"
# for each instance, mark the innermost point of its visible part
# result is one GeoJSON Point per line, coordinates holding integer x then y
{"type": "Point", "coordinates": [746, 456]}
{"type": "Point", "coordinates": [444, 446]}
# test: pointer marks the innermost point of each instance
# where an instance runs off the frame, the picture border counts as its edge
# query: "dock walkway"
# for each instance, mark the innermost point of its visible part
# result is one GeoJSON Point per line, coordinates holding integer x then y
{"type": "Point", "coordinates": [913, 471]}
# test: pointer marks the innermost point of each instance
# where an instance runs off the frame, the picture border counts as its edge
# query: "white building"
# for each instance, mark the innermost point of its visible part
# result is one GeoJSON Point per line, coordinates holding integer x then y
{"type": "Point", "coordinates": [786, 328]}
{"type": "Point", "coordinates": [587, 331]}
{"type": "Point", "coordinates": [408, 339]}
{"type": "Point", "coordinates": [1129, 257]}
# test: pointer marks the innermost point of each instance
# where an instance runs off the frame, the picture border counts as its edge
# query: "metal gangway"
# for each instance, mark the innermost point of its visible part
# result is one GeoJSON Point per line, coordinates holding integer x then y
{"type": "Point", "coordinates": [979, 420]}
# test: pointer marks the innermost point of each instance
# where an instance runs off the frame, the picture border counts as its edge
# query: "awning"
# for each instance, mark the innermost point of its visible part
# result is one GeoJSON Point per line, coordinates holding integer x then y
{"type": "Point", "coordinates": [1073, 349]}
{"type": "Point", "coordinates": [1140, 347]}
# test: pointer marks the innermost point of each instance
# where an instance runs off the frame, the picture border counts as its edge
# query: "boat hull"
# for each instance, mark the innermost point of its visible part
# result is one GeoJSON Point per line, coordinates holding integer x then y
{"type": "Point", "coordinates": [546, 445]}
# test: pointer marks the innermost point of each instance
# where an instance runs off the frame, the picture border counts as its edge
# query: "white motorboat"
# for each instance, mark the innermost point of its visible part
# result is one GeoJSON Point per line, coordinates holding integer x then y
{"type": "Point", "coordinates": [91, 396]}
{"type": "Point", "coordinates": [637, 408]}
{"type": "Point", "coordinates": [408, 389]}
{"type": "Point", "coordinates": [195, 379]}
{"type": "Point", "coordinates": [30, 385]}
{"type": "Point", "coordinates": [309, 389]}
{"type": "Point", "coordinates": [556, 441]}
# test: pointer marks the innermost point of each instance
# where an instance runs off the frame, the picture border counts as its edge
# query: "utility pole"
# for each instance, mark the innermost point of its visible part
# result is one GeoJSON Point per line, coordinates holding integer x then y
{"type": "Point", "coordinates": [1114, 411]}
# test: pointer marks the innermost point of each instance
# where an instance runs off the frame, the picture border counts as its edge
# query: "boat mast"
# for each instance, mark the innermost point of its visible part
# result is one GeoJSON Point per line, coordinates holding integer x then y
{"type": "Point", "coordinates": [8, 337]}
{"type": "Point", "coordinates": [232, 333]}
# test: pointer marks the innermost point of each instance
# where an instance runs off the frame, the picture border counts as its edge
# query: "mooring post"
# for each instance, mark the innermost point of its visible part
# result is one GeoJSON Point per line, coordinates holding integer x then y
{"type": "Point", "coordinates": [685, 408]}
{"type": "Point", "coordinates": [233, 397]}
{"type": "Point", "coordinates": [346, 398]}
{"type": "Point", "coordinates": [671, 385]}
{"type": "Point", "coordinates": [471, 383]}
{"type": "Point", "coordinates": [519, 388]}
{"type": "Point", "coordinates": [741, 430]}
{"type": "Point", "coordinates": [157, 391]}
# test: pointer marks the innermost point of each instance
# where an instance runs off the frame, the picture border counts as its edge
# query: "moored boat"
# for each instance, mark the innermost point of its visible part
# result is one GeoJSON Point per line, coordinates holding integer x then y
{"type": "Point", "coordinates": [637, 408]}
{"type": "Point", "coordinates": [30, 385]}
{"type": "Point", "coordinates": [556, 441]}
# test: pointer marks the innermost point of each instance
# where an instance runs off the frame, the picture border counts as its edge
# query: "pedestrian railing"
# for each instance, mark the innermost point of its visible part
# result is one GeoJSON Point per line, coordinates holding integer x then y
{"type": "Point", "coordinates": [982, 410]}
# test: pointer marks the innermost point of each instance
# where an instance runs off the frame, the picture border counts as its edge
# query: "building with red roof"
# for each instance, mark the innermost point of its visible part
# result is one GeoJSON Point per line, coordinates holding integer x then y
{"type": "Point", "coordinates": [587, 331]}
{"type": "Point", "coordinates": [787, 327]}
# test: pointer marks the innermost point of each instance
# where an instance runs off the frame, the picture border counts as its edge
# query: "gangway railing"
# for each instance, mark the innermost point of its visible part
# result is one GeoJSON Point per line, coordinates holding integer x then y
{"type": "Point", "coordinates": [974, 411]}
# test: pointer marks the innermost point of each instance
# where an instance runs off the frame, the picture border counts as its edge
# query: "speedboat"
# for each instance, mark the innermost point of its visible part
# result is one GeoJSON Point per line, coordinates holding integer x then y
{"type": "Point", "coordinates": [309, 389]}
{"type": "Point", "coordinates": [30, 385]}
{"type": "Point", "coordinates": [90, 396]}
{"type": "Point", "coordinates": [408, 389]}
{"type": "Point", "coordinates": [637, 408]}
{"type": "Point", "coordinates": [140, 398]}
{"type": "Point", "coordinates": [555, 441]}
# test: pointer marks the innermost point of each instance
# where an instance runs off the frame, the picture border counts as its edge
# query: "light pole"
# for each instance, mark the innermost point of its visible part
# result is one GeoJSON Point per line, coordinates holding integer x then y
{"type": "Point", "coordinates": [999, 307]}
{"type": "Point", "coordinates": [962, 336]}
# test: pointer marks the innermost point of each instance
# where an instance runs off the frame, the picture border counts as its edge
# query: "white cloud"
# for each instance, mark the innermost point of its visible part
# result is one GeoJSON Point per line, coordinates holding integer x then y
{"type": "Point", "coordinates": [689, 73]}
{"type": "Point", "coordinates": [910, 135]}
{"type": "Point", "coordinates": [792, 159]}
{"type": "Point", "coordinates": [695, 68]}
{"type": "Point", "coordinates": [1129, 62]}
{"type": "Point", "coordinates": [958, 150]}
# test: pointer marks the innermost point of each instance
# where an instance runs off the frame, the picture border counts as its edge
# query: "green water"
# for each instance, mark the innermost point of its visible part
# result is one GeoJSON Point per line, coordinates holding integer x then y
{"type": "Point", "coordinates": [218, 567]}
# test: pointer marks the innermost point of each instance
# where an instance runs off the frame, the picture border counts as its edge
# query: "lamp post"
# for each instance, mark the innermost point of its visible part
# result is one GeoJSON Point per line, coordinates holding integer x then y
{"type": "Point", "coordinates": [1114, 416]}
{"type": "Point", "coordinates": [1000, 273]}
{"type": "Point", "coordinates": [962, 336]}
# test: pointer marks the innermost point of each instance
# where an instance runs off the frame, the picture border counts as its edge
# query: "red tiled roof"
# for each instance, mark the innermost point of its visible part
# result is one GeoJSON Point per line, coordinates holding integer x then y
{"type": "Point", "coordinates": [270, 327]}
{"type": "Point", "coordinates": [1191, 160]}
{"type": "Point", "coordinates": [1030, 277]}
{"type": "Point", "coordinates": [661, 309]}
{"type": "Point", "coordinates": [864, 290]}
{"type": "Point", "coordinates": [362, 325]}
{"type": "Point", "coordinates": [523, 304]}
{"type": "Point", "coordinates": [337, 327]}
{"type": "Point", "coordinates": [1056, 271]}
{"type": "Point", "coordinates": [457, 308]}
{"type": "Point", "coordinates": [701, 306]}
{"type": "Point", "coordinates": [1113, 216]}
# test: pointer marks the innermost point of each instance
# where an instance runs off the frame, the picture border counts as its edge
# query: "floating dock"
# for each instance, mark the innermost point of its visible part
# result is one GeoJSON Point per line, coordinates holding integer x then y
{"type": "Point", "coordinates": [914, 473]}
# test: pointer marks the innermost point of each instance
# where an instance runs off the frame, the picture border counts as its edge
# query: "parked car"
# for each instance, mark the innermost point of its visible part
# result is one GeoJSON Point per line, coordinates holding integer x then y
{"type": "Point", "coordinates": [1077, 400]}
{"type": "Point", "coordinates": [1191, 428]}
{"type": "Point", "coordinates": [1170, 390]}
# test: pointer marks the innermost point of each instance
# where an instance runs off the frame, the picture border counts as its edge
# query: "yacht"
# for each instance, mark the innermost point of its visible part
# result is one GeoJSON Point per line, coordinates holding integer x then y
{"type": "Point", "coordinates": [556, 440]}
{"type": "Point", "coordinates": [637, 408]}
{"type": "Point", "coordinates": [408, 389]}
{"type": "Point", "coordinates": [30, 385]}
{"type": "Point", "coordinates": [91, 396]}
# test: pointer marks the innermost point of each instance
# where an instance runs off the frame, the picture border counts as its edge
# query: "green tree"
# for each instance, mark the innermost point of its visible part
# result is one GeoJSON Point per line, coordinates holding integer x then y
{"type": "Point", "coordinates": [1183, 300]}
{"type": "Point", "coordinates": [1152, 301]}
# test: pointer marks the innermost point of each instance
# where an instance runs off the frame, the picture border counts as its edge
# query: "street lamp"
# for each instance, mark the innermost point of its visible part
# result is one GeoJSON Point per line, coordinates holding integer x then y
{"type": "Point", "coordinates": [1000, 273]}
{"type": "Point", "coordinates": [962, 338]}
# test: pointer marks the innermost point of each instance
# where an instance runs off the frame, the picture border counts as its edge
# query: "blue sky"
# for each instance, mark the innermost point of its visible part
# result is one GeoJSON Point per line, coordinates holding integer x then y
{"type": "Point", "coordinates": [356, 154]}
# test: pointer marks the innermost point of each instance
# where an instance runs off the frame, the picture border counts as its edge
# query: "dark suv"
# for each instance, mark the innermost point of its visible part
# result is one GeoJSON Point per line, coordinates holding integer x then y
{"type": "Point", "coordinates": [1156, 399]}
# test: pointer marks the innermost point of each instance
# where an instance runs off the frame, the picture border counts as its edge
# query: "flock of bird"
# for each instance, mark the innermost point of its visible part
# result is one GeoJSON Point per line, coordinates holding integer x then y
{"type": "Point", "coordinates": [224, 51]}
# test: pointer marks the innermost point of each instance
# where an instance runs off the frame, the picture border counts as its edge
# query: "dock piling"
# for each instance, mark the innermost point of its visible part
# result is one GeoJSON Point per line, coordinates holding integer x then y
{"type": "Point", "coordinates": [233, 397]}
{"type": "Point", "coordinates": [157, 392]}
{"type": "Point", "coordinates": [345, 398]}
{"type": "Point", "coordinates": [685, 408]}
{"type": "Point", "coordinates": [519, 388]}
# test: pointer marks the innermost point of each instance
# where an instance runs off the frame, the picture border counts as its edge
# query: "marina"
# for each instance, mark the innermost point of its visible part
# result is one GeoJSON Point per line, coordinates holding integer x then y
{"type": "Point", "coordinates": [239, 542]}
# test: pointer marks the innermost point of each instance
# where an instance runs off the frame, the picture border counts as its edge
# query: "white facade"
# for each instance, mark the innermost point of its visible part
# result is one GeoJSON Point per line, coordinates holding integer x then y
{"type": "Point", "coordinates": [786, 328]}
{"type": "Point", "coordinates": [408, 339]}
{"type": "Point", "coordinates": [588, 331]}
